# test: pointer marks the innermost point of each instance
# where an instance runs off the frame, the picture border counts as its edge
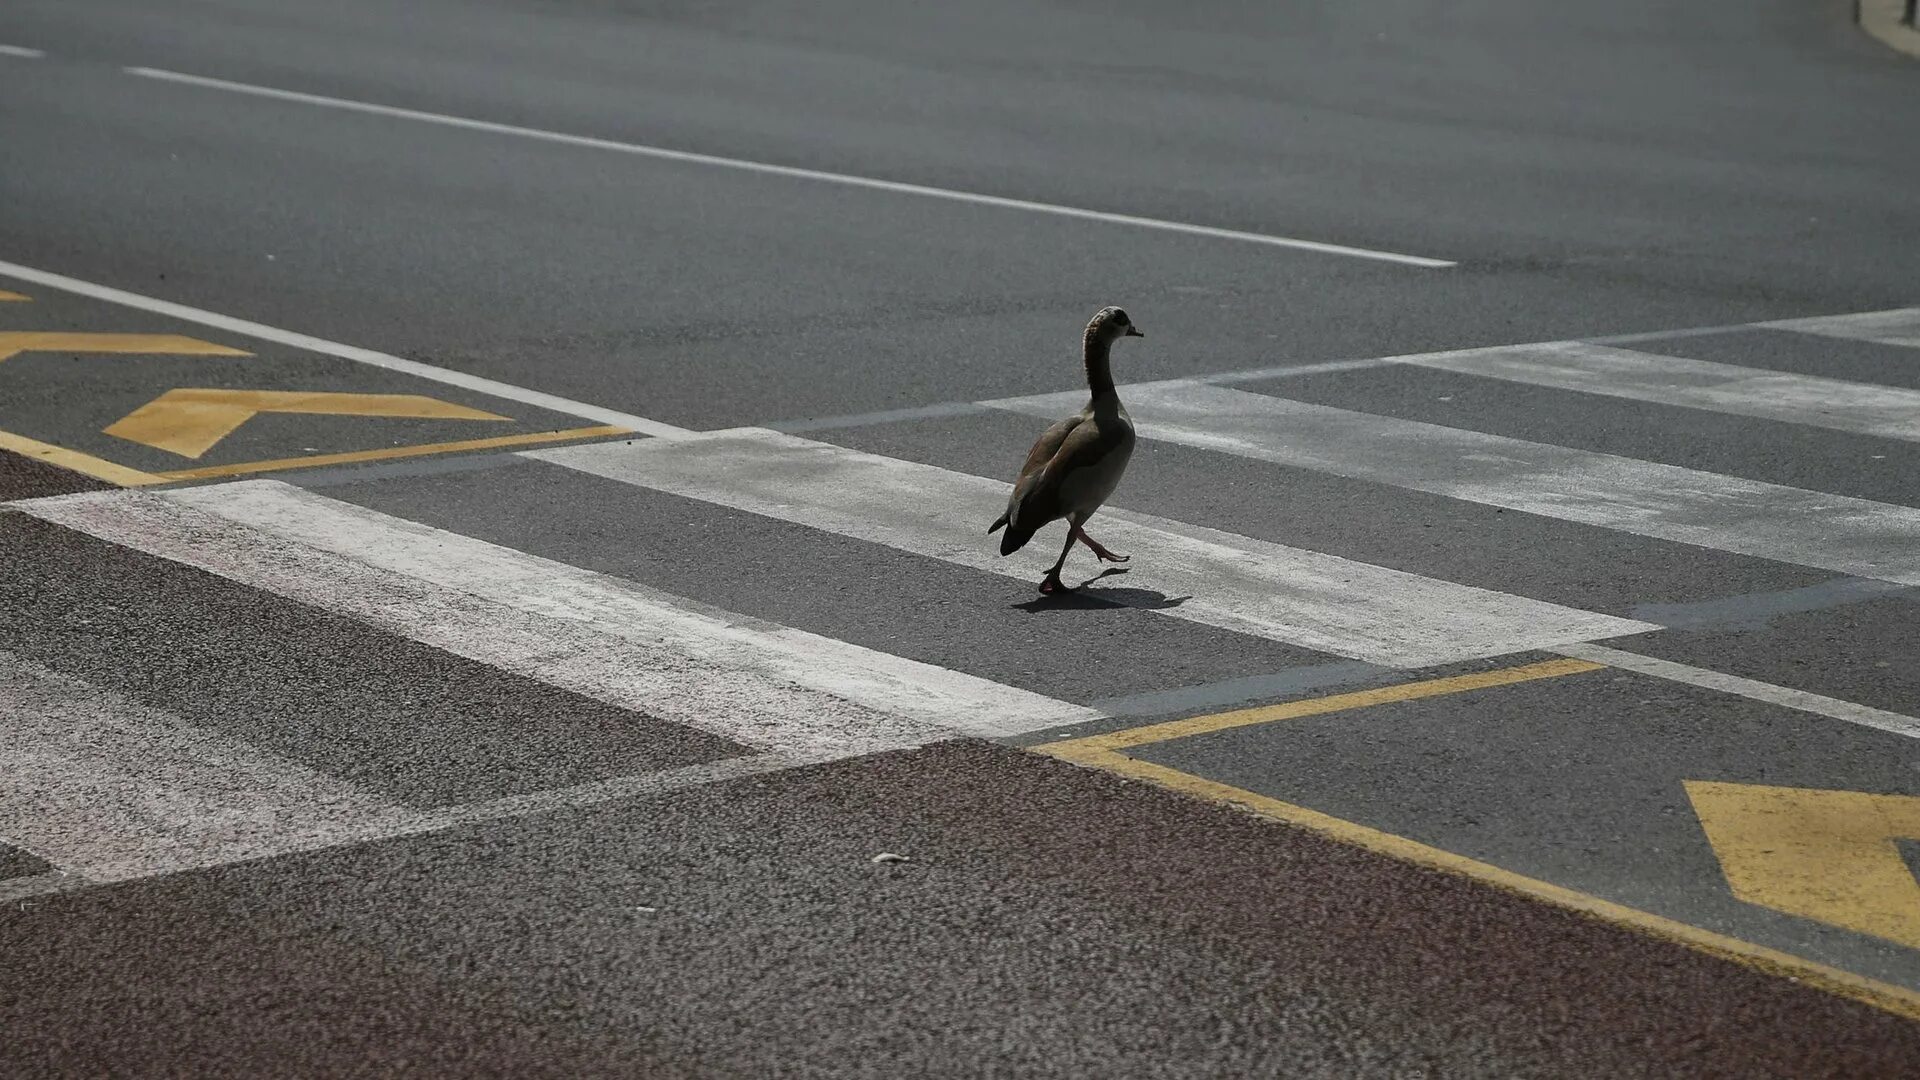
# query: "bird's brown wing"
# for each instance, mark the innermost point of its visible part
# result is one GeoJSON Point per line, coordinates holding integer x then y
{"type": "Point", "coordinates": [1048, 444]}
{"type": "Point", "coordinates": [1081, 444]}
{"type": "Point", "coordinates": [1044, 449]}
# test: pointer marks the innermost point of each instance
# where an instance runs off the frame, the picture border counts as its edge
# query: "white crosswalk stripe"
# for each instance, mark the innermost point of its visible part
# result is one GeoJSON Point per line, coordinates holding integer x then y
{"type": "Point", "coordinates": [1747, 517]}
{"type": "Point", "coordinates": [145, 792]}
{"type": "Point", "coordinates": [1900, 326]}
{"type": "Point", "coordinates": [107, 789]}
{"type": "Point", "coordinates": [1233, 582]}
{"type": "Point", "coordinates": [607, 639]}
{"type": "Point", "coordinates": [1885, 411]}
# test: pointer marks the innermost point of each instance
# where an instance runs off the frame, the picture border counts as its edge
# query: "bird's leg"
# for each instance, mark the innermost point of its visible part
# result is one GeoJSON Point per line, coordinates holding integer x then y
{"type": "Point", "coordinates": [1098, 552]}
{"type": "Point", "coordinates": [1052, 583]}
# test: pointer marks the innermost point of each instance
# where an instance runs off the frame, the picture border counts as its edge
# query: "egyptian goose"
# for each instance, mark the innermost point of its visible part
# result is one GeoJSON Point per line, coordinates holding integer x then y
{"type": "Point", "coordinates": [1077, 462]}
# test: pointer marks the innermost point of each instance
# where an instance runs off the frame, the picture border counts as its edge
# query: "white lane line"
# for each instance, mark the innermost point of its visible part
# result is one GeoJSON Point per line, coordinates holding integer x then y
{"type": "Point", "coordinates": [21, 51]}
{"type": "Point", "coordinates": [105, 788]}
{"type": "Point", "coordinates": [1233, 582]}
{"type": "Point", "coordinates": [1900, 326]}
{"type": "Point", "coordinates": [354, 353]}
{"type": "Point", "coordinates": [791, 172]}
{"type": "Point", "coordinates": [1818, 704]}
{"type": "Point", "coordinates": [755, 683]}
{"type": "Point", "coordinates": [1886, 411]}
{"type": "Point", "coordinates": [1809, 528]}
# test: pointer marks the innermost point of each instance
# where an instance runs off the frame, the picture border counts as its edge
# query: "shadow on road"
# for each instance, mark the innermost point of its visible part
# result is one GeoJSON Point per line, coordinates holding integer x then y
{"type": "Point", "coordinates": [1083, 598]}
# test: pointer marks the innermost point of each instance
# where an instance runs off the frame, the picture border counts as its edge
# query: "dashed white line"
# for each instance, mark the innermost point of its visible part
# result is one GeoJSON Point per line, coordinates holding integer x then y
{"type": "Point", "coordinates": [789, 171]}
{"type": "Point", "coordinates": [21, 51]}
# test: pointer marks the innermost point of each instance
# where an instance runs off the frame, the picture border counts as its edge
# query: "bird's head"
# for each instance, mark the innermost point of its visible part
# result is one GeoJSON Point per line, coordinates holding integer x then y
{"type": "Point", "coordinates": [1109, 324]}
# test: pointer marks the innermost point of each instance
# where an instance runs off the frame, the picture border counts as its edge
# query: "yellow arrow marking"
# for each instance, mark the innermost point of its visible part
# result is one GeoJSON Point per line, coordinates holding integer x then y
{"type": "Point", "coordinates": [14, 297]}
{"type": "Point", "coordinates": [15, 342]}
{"type": "Point", "coordinates": [190, 422]}
{"type": "Point", "coordinates": [1822, 855]}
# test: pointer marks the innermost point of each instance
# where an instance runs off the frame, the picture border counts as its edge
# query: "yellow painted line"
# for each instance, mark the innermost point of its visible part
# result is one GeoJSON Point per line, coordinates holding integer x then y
{"type": "Point", "coordinates": [1822, 855]}
{"type": "Point", "coordinates": [1894, 999]}
{"type": "Point", "coordinates": [1104, 752]}
{"type": "Point", "coordinates": [356, 456]}
{"type": "Point", "coordinates": [14, 298]}
{"type": "Point", "coordinates": [190, 421]}
{"type": "Point", "coordinates": [15, 342]}
{"type": "Point", "coordinates": [98, 468]}
{"type": "Point", "coordinates": [1201, 725]}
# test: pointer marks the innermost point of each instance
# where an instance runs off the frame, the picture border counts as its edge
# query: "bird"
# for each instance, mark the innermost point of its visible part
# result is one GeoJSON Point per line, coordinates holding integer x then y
{"type": "Point", "coordinates": [1076, 463]}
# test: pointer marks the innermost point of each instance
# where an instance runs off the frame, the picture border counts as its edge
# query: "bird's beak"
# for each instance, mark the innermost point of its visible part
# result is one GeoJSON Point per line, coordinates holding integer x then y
{"type": "Point", "coordinates": [1131, 332]}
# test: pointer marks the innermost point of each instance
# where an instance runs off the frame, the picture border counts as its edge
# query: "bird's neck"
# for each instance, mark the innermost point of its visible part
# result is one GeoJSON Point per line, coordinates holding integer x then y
{"type": "Point", "coordinates": [1099, 374]}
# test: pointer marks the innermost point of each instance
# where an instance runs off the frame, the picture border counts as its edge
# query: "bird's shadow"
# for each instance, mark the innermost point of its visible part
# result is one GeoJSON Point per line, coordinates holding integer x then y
{"type": "Point", "coordinates": [1082, 598]}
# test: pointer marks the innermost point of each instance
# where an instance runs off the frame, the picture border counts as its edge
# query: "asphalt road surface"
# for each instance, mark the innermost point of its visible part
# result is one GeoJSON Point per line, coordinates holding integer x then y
{"type": "Point", "coordinates": [495, 577]}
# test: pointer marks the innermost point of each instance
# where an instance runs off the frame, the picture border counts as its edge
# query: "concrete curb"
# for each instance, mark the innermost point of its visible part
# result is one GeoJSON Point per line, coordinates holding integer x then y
{"type": "Point", "coordinates": [1881, 18]}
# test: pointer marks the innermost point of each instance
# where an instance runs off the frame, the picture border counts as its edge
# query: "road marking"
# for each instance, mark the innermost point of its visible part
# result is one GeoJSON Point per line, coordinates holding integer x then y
{"type": "Point", "coordinates": [1884, 411]}
{"type": "Point", "coordinates": [21, 51]}
{"type": "Point", "coordinates": [1079, 749]}
{"type": "Point", "coordinates": [1800, 700]}
{"type": "Point", "coordinates": [103, 787]}
{"type": "Point", "coordinates": [788, 171]}
{"type": "Point", "coordinates": [1897, 1000]}
{"type": "Point", "coordinates": [755, 683]}
{"type": "Point", "coordinates": [353, 353]}
{"type": "Point", "coordinates": [144, 793]}
{"type": "Point", "coordinates": [1822, 855]}
{"type": "Point", "coordinates": [13, 343]}
{"type": "Point", "coordinates": [1667, 502]}
{"type": "Point", "coordinates": [85, 464]}
{"type": "Point", "coordinates": [189, 422]}
{"type": "Point", "coordinates": [1210, 577]}
{"type": "Point", "coordinates": [1099, 752]}
{"type": "Point", "coordinates": [802, 425]}
{"type": "Point", "coordinates": [247, 468]}
{"type": "Point", "coordinates": [14, 298]}
{"type": "Point", "coordinates": [1900, 326]}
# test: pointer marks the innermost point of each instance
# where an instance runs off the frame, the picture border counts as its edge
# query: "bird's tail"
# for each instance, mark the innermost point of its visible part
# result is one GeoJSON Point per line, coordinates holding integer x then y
{"type": "Point", "coordinates": [998, 524]}
{"type": "Point", "coordinates": [1015, 539]}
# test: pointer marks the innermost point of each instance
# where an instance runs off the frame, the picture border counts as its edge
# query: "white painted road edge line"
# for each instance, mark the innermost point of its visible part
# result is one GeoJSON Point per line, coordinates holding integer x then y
{"type": "Point", "coordinates": [507, 391]}
{"type": "Point", "coordinates": [21, 51]}
{"type": "Point", "coordinates": [789, 171]}
{"type": "Point", "coordinates": [1753, 689]}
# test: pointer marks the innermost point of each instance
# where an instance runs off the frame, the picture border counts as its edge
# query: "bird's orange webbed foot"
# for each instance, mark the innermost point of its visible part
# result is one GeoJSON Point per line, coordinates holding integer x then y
{"type": "Point", "coordinates": [1100, 552]}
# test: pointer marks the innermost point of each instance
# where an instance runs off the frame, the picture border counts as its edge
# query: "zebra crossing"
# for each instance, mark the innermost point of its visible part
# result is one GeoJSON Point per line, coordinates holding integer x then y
{"type": "Point", "coordinates": [103, 786]}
